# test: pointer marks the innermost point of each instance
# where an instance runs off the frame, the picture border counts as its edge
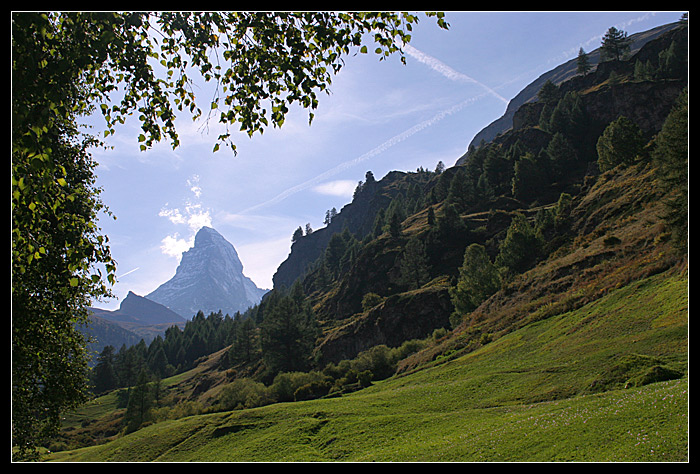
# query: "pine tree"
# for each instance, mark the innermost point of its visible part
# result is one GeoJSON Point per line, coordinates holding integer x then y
{"type": "Point", "coordinates": [562, 155]}
{"type": "Point", "coordinates": [548, 93]}
{"type": "Point", "coordinates": [288, 333]}
{"type": "Point", "coordinates": [298, 234]}
{"type": "Point", "coordinates": [104, 375]}
{"type": "Point", "coordinates": [395, 225]}
{"type": "Point", "coordinates": [671, 157]}
{"type": "Point", "coordinates": [413, 265]}
{"type": "Point", "coordinates": [478, 279]}
{"type": "Point", "coordinates": [498, 171]}
{"type": "Point", "coordinates": [461, 192]}
{"type": "Point", "coordinates": [334, 252]}
{"type": "Point", "coordinates": [138, 410]}
{"type": "Point", "coordinates": [583, 65]}
{"type": "Point", "coordinates": [243, 345]}
{"type": "Point", "coordinates": [431, 216]}
{"type": "Point", "coordinates": [621, 143]}
{"type": "Point", "coordinates": [520, 249]}
{"type": "Point", "coordinates": [615, 44]}
{"type": "Point", "coordinates": [528, 178]}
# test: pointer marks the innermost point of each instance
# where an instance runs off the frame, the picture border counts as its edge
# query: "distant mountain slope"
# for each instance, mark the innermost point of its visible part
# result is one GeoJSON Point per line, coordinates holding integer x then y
{"type": "Point", "coordinates": [103, 332]}
{"type": "Point", "coordinates": [557, 75]}
{"type": "Point", "coordinates": [137, 318]}
{"type": "Point", "coordinates": [209, 279]}
{"type": "Point", "coordinates": [139, 310]}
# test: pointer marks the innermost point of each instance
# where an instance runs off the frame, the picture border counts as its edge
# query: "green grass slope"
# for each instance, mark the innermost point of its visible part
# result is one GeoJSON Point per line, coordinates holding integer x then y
{"type": "Point", "coordinates": [603, 382]}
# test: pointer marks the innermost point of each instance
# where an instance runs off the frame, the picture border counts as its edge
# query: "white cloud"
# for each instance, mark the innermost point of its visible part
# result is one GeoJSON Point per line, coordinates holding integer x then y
{"type": "Point", "coordinates": [194, 186]}
{"type": "Point", "coordinates": [194, 216]}
{"type": "Point", "coordinates": [197, 217]}
{"type": "Point", "coordinates": [174, 246]}
{"type": "Point", "coordinates": [173, 215]}
{"type": "Point", "coordinates": [340, 188]}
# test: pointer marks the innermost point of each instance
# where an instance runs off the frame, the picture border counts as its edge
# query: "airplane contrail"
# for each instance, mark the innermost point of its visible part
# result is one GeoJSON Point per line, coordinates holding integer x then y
{"type": "Point", "coordinates": [434, 64]}
{"type": "Point", "coordinates": [447, 71]}
{"type": "Point", "coordinates": [373, 152]}
{"type": "Point", "coordinates": [130, 271]}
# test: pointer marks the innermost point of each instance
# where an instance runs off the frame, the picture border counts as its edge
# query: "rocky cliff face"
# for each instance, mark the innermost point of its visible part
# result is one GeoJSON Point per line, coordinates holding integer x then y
{"type": "Point", "coordinates": [209, 278]}
{"type": "Point", "coordinates": [400, 317]}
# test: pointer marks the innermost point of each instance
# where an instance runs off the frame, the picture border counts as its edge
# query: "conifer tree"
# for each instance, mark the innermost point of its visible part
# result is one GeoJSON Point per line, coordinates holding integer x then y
{"type": "Point", "coordinates": [298, 234]}
{"type": "Point", "coordinates": [548, 93]}
{"type": "Point", "coordinates": [562, 154]}
{"type": "Point", "coordinates": [104, 375]}
{"type": "Point", "coordinates": [671, 158]}
{"type": "Point", "coordinates": [461, 192]}
{"type": "Point", "coordinates": [478, 279]}
{"type": "Point", "coordinates": [528, 178]}
{"type": "Point", "coordinates": [520, 249]}
{"type": "Point", "coordinates": [615, 44]}
{"type": "Point", "coordinates": [431, 216]}
{"type": "Point", "coordinates": [138, 410]}
{"type": "Point", "coordinates": [583, 65]}
{"type": "Point", "coordinates": [621, 143]}
{"type": "Point", "coordinates": [288, 333]}
{"type": "Point", "coordinates": [395, 224]}
{"type": "Point", "coordinates": [413, 265]}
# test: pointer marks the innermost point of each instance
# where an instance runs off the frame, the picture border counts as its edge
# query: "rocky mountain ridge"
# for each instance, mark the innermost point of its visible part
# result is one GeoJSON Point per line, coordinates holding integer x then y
{"type": "Point", "coordinates": [209, 279]}
{"type": "Point", "coordinates": [558, 76]}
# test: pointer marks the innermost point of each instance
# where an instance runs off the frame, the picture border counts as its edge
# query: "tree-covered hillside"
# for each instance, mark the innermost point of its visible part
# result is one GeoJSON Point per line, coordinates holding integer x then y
{"type": "Point", "coordinates": [556, 219]}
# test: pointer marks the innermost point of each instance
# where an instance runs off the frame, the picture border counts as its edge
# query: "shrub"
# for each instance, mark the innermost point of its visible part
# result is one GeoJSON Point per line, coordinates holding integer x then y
{"type": "Point", "coordinates": [365, 378]}
{"type": "Point", "coordinates": [243, 393]}
{"type": "Point", "coordinates": [370, 300]}
{"type": "Point", "coordinates": [315, 389]}
{"type": "Point", "coordinates": [377, 360]}
{"type": "Point", "coordinates": [285, 384]}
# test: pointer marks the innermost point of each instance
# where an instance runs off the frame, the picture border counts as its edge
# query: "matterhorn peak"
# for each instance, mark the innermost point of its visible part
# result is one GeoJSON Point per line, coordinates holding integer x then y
{"type": "Point", "coordinates": [209, 279]}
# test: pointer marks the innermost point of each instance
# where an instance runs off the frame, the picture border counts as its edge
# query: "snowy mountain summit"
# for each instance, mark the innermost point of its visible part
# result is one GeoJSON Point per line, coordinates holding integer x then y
{"type": "Point", "coordinates": [209, 278]}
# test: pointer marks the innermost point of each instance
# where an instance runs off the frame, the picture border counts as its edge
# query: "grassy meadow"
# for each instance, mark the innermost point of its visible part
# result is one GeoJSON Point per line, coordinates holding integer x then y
{"type": "Point", "coordinates": [600, 383]}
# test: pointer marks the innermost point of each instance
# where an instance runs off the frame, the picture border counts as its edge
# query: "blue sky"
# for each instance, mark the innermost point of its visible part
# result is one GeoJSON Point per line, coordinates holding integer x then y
{"type": "Point", "coordinates": [380, 116]}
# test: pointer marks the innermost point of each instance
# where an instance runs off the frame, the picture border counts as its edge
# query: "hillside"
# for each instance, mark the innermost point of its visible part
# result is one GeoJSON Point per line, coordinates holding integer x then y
{"type": "Point", "coordinates": [530, 304]}
{"type": "Point", "coordinates": [535, 394]}
{"type": "Point", "coordinates": [558, 75]}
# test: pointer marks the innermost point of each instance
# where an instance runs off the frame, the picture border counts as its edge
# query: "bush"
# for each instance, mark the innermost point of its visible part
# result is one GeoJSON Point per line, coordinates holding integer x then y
{"type": "Point", "coordinates": [377, 360]}
{"type": "Point", "coordinates": [365, 378]}
{"type": "Point", "coordinates": [370, 300]}
{"type": "Point", "coordinates": [243, 393]}
{"type": "Point", "coordinates": [315, 389]}
{"type": "Point", "coordinates": [285, 384]}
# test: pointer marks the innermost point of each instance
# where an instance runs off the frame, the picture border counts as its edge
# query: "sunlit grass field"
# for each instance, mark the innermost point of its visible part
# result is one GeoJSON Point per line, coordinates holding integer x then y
{"type": "Point", "coordinates": [574, 387]}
